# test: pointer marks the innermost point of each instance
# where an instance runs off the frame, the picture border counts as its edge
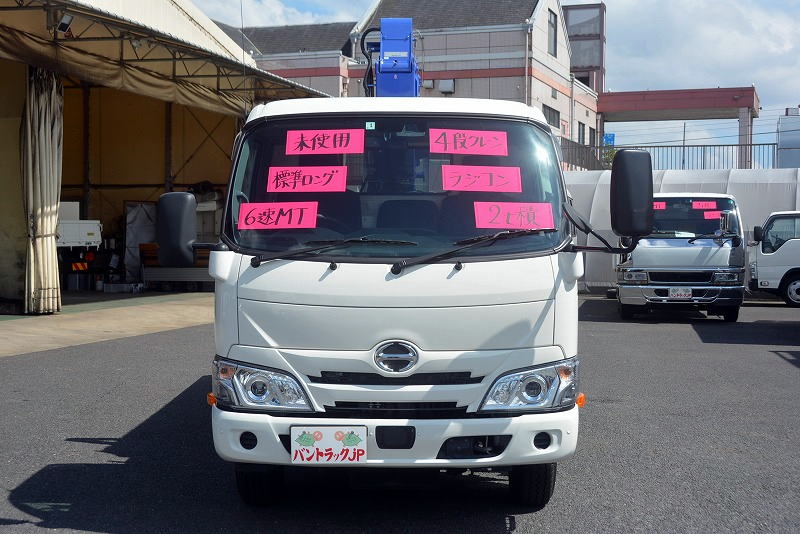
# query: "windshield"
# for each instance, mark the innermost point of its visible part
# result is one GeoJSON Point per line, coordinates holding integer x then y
{"type": "Point", "coordinates": [427, 180]}
{"type": "Point", "coordinates": [687, 217]}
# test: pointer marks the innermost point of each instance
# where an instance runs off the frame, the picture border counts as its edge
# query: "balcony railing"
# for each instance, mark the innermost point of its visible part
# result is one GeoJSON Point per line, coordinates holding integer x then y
{"type": "Point", "coordinates": [671, 157]}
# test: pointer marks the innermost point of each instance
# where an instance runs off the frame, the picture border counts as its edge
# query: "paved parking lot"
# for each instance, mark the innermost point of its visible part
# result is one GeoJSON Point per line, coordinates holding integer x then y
{"type": "Point", "coordinates": [691, 426]}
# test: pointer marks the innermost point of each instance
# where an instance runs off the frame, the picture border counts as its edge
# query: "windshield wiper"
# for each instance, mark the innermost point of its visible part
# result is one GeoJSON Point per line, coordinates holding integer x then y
{"type": "Point", "coordinates": [323, 245]}
{"type": "Point", "coordinates": [464, 244]}
{"type": "Point", "coordinates": [715, 235]}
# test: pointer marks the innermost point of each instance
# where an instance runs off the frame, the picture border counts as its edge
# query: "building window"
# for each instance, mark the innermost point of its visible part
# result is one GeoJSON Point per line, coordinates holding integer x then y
{"type": "Point", "coordinates": [553, 93]}
{"type": "Point", "coordinates": [581, 133]}
{"type": "Point", "coordinates": [592, 137]}
{"type": "Point", "coordinates": [552, 116]}
{"type": "Point", "coordinates": [552, 34]}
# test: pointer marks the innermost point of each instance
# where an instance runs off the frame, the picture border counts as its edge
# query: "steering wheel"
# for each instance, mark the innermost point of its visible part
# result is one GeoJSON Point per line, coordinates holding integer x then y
{"type": "Point", "coordinates": [334, 224]}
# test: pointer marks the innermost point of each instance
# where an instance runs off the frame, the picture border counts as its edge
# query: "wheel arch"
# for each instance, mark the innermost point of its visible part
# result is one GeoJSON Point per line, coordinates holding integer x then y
{"type": "Point", "coordinates": [791, 273]}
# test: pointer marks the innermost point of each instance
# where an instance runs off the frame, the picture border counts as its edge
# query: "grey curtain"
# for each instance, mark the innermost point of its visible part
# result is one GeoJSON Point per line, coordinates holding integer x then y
{"type": "Point", "coordinates": [42, 145]}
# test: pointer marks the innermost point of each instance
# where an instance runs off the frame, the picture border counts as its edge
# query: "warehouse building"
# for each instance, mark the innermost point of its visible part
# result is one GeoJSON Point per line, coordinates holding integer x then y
{"type": "Point", "coordinates": [501, 49]}
{"type": "Point", "coordinates": [110, 104]}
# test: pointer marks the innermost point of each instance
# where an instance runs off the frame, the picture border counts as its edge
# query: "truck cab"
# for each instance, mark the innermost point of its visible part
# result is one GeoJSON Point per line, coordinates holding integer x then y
{"type": "Point", "coordinates": [775, 257]}
{"type": "Point", "coordinates": [693, 259]}
{"type": "Point", "coordinates": [397, 286]}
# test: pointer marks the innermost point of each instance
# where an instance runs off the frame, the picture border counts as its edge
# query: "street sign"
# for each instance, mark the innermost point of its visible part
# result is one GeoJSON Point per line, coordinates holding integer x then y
{"type": "Point", "coordinates": [608, 139]}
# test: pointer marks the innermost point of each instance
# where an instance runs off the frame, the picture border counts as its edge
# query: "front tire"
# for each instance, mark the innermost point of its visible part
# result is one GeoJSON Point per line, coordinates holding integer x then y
{"type": "Point", "coordinates": [790, 291]}
{"type": "Point", "coordinates": [256, 485]}
{"type": "Point", "coordinates": [627, 311]}
{"type": "Point", "coordinates": [532, 485]}
{"type": "Point", "coordinates": [730, 315]}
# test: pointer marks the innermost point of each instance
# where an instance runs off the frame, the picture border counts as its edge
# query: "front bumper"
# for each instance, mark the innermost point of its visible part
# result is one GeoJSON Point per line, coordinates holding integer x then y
{"type": "Point", "coordinates": [430, 435]}
{"type": "Point", "coordinates": [703, 295]}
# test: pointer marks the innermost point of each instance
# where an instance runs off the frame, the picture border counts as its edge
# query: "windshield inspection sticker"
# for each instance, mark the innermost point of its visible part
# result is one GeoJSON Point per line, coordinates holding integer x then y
{"type": "Point", "coordinates": [299, 142]}
{"type": "Point", "coordinates": [712, 214]}
{"type": "Point", "coordinates": [477, 142]}
{"type": "Point", "coordinates": [514, 215]}
{"type": "Point", "coordinates": [277, 215]}
{"type": "Point", "coordinates": [659, 205]}
{"type": "Point", "coordinates": [704, 204]}
{"type": "Point", "coordinates": [330, 179]}
{"type": "Point", "coordinates": [479, 178]}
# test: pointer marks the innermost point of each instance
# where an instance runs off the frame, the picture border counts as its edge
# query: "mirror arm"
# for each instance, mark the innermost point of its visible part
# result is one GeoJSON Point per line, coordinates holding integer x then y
{"type": "Point", "coordinates": [609, 249]}
{"type": "Point", "coordinates": [575, 218]}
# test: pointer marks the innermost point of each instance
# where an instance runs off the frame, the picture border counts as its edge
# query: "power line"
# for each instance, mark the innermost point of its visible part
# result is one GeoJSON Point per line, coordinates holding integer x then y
{"type": "Point", "coordinates": [712, 137]}
{"type": "Point", "coordinates": [680, 127]}
{"type": "Point", "coordinates": [707, 121]}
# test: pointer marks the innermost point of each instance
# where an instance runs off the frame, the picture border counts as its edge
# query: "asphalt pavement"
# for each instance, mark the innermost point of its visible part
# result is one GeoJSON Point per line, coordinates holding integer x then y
{"type": "Point", "coordinates": [691, 426]}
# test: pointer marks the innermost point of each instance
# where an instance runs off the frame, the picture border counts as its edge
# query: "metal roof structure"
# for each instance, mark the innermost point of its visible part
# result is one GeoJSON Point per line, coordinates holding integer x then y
{"type": "Point", "coordinates": [429, 14]}
{"type": "Point", "coordinates": [165, 49]}
{"type": "Point", "coordinates": [238, 37]}
{"type": "Point", "coordinates": [296, 38]}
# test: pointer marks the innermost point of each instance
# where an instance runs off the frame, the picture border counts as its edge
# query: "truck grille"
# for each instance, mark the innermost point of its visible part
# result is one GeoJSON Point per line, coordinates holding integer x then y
{"type": "Point", "coordinates": [396, 410]}
{"type": "Point", "coordinates": [680, 277]}
{"type": "Point", "coordinates": [374, 379]}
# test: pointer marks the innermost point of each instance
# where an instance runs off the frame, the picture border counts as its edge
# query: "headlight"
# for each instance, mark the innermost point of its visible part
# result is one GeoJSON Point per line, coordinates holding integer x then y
{"type": "Point", "coordinates": [236, 384]}
{"type": "Point", "coordinates": [725, 278]}
{"type": "Point", "coordinates": [545, 388]}
{"type": "Point", "coordinates": [632, 277]}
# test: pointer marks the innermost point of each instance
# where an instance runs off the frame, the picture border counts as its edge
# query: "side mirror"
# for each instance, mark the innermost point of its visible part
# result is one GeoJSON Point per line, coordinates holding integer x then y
{"type": "Point", "coordinates": [632, 193]}
{"type": "Point", "coordinates": [758, 234]}
{"type": "Point", "coordinates": [176, 229]}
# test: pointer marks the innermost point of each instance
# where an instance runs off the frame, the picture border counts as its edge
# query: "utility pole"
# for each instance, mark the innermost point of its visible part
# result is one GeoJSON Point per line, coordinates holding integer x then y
{"type": "Point", "coordinates": [683, 150]}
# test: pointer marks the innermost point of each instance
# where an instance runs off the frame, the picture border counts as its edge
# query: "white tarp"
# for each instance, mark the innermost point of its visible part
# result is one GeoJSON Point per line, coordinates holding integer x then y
{"type": "Point", "coordinates": [180, 19]}
{"type": "Point", "coordinates": [758, 193]}
{"type": "Point", "coordinates": [163, 49]}
{"type": "Point", "coordinates": [42, 144]}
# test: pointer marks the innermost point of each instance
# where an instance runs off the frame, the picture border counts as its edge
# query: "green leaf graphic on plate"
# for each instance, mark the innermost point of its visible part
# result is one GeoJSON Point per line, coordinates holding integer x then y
{"type": "Point", "coordinates": [351, 440]}
{"type": "Point", "coordinates": [305, 439]}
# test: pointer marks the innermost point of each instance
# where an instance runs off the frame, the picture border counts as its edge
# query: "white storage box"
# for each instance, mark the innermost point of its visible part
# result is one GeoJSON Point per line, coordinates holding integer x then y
{"type": "Point", "coordinates": [79, 234]}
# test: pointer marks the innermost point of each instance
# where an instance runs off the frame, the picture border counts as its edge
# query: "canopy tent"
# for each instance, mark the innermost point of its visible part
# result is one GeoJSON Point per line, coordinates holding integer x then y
{"type": "Point", "coordinates": [169, 80]}
{"type": "Point", "coordinates": [165, 49]}
{"type": "Point", "coordinates": [758, 193]}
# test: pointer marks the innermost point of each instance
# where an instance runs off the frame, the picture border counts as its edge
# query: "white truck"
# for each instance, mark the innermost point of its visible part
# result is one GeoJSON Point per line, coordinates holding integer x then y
{"type": "Point", "coordinates": [775, 257]}
{"type": "Point", "coordinates": [693, 259]}
{"type": "Point", "coordinates": [396, 286]}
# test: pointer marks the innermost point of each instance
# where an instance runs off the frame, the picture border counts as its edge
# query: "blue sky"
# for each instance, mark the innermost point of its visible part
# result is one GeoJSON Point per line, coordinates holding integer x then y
{"type": "Point", "coordinates": [651, 44]}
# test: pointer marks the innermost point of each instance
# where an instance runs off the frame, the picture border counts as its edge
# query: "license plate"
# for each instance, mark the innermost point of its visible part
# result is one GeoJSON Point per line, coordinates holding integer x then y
{"type": "Point", "coordinates": [328, 444]}
{"type": "Point", "coordinates": [680, 292]}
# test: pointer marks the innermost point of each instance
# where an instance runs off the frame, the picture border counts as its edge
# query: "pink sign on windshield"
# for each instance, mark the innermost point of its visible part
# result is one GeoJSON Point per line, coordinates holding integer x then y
{"type": "Point", "coordinates": [478, 142]}
{"type": "Point", "coordinates": [479, 178]}
{"type": "Point", "coordinates": [299, 142]}
{"type": "Point", "coordinates": [277, 215]}
{"type": "Point", "coordinates": [514, 215]}
{"type": "Point", "coordinates": [659, 205]}
{"type": "Point", "coordinates": [330, 179]}
{"type": "Point", "coordinates": [712, 214]}
{"type": "Point", "coordinates": [704, 204]}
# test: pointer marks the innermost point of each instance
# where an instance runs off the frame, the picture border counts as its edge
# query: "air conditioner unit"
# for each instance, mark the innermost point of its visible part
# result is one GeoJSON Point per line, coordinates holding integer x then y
{"type": "Point", "coordinates": [447, 87]}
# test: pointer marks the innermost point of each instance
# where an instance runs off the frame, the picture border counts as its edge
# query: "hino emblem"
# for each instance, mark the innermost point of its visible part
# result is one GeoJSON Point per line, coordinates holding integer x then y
{"type": "Point", "coordinates": [396, 357]}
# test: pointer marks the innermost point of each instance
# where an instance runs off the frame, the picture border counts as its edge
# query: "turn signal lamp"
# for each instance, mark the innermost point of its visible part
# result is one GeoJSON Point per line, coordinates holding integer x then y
{"type": "Point", "coordinates": [211, 399]}
{"type": "Point", "coordinates": [580, 400]}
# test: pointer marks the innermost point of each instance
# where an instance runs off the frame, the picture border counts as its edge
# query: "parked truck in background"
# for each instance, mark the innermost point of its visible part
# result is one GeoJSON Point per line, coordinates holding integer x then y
{"type": "Point", "coordinates": [693, 259]}
{"type": "Point", "coordinates": [775, 257]}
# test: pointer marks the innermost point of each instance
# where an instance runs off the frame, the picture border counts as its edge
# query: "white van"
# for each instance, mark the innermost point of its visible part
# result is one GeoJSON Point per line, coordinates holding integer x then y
{"type": "Point", "coordinates": [693, 259]}
{"type": "Point", "coordinates": [396, 286]}
{"type": "Point", "coordinates": [775, 256]}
